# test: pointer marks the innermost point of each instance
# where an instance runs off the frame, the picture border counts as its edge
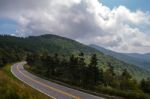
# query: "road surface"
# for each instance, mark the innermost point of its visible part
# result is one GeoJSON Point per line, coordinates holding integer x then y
{"type": "Point", "coordinates": [51, 89]}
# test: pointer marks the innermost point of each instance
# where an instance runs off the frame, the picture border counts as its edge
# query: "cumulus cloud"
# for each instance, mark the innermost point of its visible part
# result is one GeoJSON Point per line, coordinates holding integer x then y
{"type": "Point", "coordinates": [87, 21]}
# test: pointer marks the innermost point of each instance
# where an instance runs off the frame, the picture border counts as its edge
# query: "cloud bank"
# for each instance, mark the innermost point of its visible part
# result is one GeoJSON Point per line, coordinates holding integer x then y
{"type": "Point", "coordinates": [87, 21]}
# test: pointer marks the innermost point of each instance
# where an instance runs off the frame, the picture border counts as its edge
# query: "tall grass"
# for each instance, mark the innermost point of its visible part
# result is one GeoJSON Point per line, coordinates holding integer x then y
{"type": "Point", "coordinates": [12, 88]}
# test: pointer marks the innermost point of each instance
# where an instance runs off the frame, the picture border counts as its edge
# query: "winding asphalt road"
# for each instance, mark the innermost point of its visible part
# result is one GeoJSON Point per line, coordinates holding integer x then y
{"type": "Point", "coordinates": [51, 89]}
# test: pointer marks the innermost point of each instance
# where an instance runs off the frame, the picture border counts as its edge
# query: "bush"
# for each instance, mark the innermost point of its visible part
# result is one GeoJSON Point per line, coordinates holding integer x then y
{"type": "Point", "coordinates": [125, 94]}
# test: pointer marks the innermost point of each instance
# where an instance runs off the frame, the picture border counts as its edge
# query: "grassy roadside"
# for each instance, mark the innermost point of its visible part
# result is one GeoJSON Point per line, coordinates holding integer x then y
{"type": "Point", "coordinates": [12, 88]}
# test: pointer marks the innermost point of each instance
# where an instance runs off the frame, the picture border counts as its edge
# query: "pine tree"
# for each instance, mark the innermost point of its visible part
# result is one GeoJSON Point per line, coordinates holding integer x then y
{"type": "Point", "coordinates": [47, 63]}
{"type": "Point", "coordinates": [109, 76]}
{"type": "Point", "coordinates": [127, 83]}
{"type": "Point", "coordinates": [145, 85]}
{"type": "Point", "coordinates": [126, 74]}
{"type": "Point", "coordinates": [56, 64]}
{"type": "Point", "coordinates": [73, 69]}
{"type": "Point", "coordinates": [1, 61]}
{"type": "Point", "coordinates": [81, 68]}
{"type": "Point", "coordinates": [93, 70]}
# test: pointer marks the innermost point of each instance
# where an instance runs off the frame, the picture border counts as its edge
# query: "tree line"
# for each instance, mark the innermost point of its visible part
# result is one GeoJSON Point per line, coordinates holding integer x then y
{"type": "Point", "coordinates": [70, 68]}
{"type": "Point", "coordinates": [75, 71]}
{"type": "Point", "coordinates": [11, 54]}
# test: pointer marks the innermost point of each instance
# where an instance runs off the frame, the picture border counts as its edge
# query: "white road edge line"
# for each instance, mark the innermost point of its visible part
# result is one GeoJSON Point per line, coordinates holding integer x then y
{"type": "Point", "coordinates": [30, 85]}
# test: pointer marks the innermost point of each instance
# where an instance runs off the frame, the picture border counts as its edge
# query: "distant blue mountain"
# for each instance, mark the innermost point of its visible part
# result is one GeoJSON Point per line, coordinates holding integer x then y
{"type": "Point", "coordinates": [140, 60]}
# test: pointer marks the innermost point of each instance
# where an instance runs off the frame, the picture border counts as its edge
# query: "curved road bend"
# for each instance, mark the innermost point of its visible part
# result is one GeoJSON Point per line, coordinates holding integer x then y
{"type": "Point", "coordinates": [51, 89]}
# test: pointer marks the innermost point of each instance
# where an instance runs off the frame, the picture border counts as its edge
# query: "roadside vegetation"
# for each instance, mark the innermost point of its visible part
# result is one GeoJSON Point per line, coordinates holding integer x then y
{"type": "Point", "coordinates": [91, 70]}
{"type": "Point", "coordinates": [12, 88]}
{"type": "Point", "coordinates": [75, 71]}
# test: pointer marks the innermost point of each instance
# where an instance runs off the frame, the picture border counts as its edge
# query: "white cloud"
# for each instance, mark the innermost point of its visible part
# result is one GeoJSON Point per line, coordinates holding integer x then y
{"type": "Point", "coordinates": [87, 21]}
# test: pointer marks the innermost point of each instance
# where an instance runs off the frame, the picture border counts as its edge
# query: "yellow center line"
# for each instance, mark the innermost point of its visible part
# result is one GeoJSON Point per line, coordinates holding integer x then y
{"type": "Point", "coordinates": [45, 85]}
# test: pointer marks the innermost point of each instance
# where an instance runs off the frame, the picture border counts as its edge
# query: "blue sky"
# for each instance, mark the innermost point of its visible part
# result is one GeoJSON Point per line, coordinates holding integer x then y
{"type": "Point", "coordinates": [7, 26]}
{"type": "Point", "coordinates": [133, 5]}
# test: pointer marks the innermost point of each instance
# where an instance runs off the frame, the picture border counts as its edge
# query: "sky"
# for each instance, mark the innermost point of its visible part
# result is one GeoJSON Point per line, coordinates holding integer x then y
{"type": "Point", "coordinates": [130, 4]}
{"type": "Point", "coordinates": [119, 25]}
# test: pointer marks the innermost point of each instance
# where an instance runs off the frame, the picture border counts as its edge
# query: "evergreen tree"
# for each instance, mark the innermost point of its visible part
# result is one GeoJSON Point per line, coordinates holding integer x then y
{"type": "Point", "coordinates": [73, 69]}
{"type": "Point", "coordinates": [109, 76]}
{"type": "Point", "coordinates": [30, 59]}
{"type": "Point", "coordinates": [126, 74]}
{"type": "Point", "coordinates": [47, 63]}
{"type": "Point", "coordinates": [62, 67]}
{"type": "Point", "coordinates": [81, 68]}
{"type": "Point", "coordinates": [93, 70]}
{"type": "Point", "coordinates": [1, 61]}
{"type": "Point", "coordinates": [127, 83]}
{"type": "Point", "coordinates": [56, 64]}
{"type": "Point", "coordinates": [145, 85]}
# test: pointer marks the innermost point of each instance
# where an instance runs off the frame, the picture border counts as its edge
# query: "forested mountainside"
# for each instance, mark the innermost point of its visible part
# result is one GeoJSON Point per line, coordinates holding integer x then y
{"type": "Point", "coordinates": [140, 60]}
{"type": "Point", "coordinates": [16, 48]}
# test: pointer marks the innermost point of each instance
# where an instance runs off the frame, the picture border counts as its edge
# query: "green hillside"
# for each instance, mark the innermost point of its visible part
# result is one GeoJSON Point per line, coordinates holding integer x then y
{"type": "Point", "coordinates": [140, 60]}
{"type": "Point", "coordinates": [17, 48]}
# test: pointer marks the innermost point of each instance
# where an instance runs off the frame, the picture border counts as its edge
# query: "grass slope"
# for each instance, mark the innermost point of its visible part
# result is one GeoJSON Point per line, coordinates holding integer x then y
{"type": "Point", "coordinates": [12, 88]}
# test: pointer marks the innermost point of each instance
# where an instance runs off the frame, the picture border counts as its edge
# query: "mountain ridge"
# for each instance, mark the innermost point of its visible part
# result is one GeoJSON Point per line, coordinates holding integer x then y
{"type": "Point", "coordinates": [140, 60]}
{"type": "Point", "coordinates": [56, 44]}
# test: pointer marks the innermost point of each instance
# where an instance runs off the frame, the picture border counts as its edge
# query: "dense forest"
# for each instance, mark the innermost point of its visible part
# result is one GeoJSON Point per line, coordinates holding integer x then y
{"type": "Point", "coordinates": [17, 48]}
{"type": "Point", "coordinates": [76, 64]}
{"type": "Point", "coordinates": [75, 71]}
